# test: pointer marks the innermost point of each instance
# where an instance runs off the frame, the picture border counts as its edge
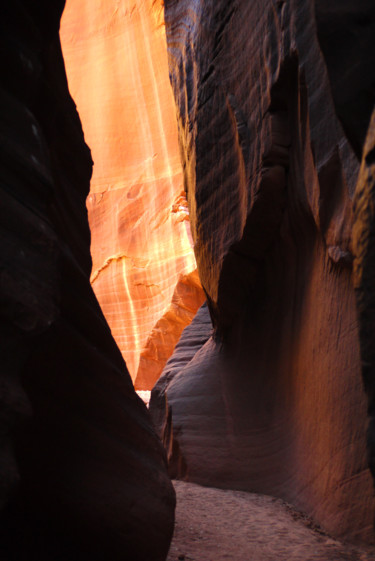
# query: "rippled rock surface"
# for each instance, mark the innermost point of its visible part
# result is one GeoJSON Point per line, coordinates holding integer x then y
{"type": "Point", "coordinates": [274, 401]}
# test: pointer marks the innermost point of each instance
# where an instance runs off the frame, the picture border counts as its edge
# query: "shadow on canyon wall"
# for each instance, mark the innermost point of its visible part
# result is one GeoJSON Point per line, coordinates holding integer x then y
{"type": "Point", "coordinates": [83, 474]}
{"type": "Point", "coordinates": [274, 103]}
{"type": "Point", "coordinates": [277, 141]}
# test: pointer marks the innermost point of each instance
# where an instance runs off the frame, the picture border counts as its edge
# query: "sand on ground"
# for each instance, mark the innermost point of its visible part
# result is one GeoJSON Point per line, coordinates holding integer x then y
{"type": "Point", "coordinates": [222, 525]}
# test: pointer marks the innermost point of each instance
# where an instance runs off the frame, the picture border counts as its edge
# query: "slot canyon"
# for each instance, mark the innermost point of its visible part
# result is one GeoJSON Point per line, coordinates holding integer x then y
{"type": "Point", "coordinates": [187, 206]}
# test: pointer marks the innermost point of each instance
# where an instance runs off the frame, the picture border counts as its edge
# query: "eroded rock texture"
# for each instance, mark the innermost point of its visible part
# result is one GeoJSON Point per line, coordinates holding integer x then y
{"type": "Point", "coordinates": [350, 29]}
{"type": "Point", "coordinates": [82, 472]}
{"type": "Point", "coordinates": [273, 402]}
{"type": "Point", "coordinates": [116, 60]}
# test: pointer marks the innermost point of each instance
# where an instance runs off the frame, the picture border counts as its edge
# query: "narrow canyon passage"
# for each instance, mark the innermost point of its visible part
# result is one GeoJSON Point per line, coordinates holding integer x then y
{"type": "Point", "coordinates": [270, 200]}
{"type": "Point", "coordinates": [229, 184]}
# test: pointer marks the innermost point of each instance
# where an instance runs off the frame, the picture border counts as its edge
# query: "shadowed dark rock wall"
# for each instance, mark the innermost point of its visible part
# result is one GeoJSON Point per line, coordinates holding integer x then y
{"type": "Point", "coordinates": [364, 276]}
{"type": "Point", "coordinates": [82, 472]}
{"type": "Point", "coordinates": [273, 402]}
{"type": "Point", "coordinates": [347, 38]}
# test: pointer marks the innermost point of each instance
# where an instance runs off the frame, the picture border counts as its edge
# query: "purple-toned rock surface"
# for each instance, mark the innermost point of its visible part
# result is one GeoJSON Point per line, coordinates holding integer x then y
{"type": "Point", "coordinates": [83, 473]}
{"type": "Point", "coordinates": [346, 33]}
{"type": "Point", "coordinates": [274, 401]}
{"type": "Point", "coordinates": [193, 337]}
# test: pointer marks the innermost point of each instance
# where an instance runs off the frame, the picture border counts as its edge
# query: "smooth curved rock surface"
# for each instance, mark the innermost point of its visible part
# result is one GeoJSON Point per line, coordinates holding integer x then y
{"type": "Point", "coordinates": [83, 474]}
{"type": "Point", "coordinates": [116, 59]}
{"type": "Point", "coordinates": [273, 402]}
{"type": "Point", "coordinates": [193, 337]}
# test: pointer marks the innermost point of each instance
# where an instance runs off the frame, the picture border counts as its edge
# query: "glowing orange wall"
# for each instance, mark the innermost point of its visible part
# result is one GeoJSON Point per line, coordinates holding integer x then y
{"type": "Point", "coordinates": [116, 62]}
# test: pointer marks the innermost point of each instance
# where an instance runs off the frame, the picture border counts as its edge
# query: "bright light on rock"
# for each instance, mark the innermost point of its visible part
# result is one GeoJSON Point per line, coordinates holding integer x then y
{"type": "Point", "coordinates": [116, 61]}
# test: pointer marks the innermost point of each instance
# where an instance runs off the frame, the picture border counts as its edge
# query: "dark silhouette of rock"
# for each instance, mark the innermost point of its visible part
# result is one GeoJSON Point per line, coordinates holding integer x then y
{"type": "Point", "coordinates": [346, 33]}
{"type": "Point", "coordinates": [82, 471]}
{"type": "Point", "coordinates": [274, 401]}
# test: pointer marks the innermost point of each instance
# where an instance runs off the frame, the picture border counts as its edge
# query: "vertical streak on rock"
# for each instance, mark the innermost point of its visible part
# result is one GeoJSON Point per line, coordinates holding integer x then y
{"type": "Point", "coordinates": [83, 475]}
{"type": "Point", "coordinates": [116, 59]}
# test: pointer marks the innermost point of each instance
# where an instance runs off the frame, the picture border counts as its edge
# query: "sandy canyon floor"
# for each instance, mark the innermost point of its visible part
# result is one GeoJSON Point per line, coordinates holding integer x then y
{"type": "Point", "coordinates": [220, 525]}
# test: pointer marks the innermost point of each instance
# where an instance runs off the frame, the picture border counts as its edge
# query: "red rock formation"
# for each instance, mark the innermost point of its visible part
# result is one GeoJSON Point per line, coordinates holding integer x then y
{"type": "Point", "coordinates": [273, 402]}
{"type": "Point", "coordinates": [83, 476]}
{"type": "Point", "coordinates": [162, 340]}
{"type": "Point", "coordinates": [116, 59]}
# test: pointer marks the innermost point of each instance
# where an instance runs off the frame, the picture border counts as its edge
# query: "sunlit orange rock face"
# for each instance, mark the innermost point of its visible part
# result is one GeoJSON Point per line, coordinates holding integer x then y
{"type": "Point", "coordinates": [162, 339]}
{"type": "Point", "coordinates": [116, 61]}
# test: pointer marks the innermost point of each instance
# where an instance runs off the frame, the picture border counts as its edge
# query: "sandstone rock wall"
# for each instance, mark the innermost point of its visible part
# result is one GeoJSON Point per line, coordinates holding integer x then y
{"type": "Point", "coordinates": [273, 402]}
{"type": "Point", "coordinates": [116, 59]}
{"type": "Point", "coordinates": [364, 272]}
{"type": "Point", "coordinates": [349, 30]}
{"type": "Point", "coordinates": [82, 472]}
{"type": "Point", "coordinates": [162, 339]}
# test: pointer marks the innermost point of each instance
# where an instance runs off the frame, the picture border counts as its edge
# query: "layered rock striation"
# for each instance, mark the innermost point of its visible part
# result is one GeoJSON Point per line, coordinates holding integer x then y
{"type": "Point", "coordinates": [273, 402]}
{"type": "Point", "coordinates": [116, 59]}
{"type": "Point", "coordinates": [83, 474]}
